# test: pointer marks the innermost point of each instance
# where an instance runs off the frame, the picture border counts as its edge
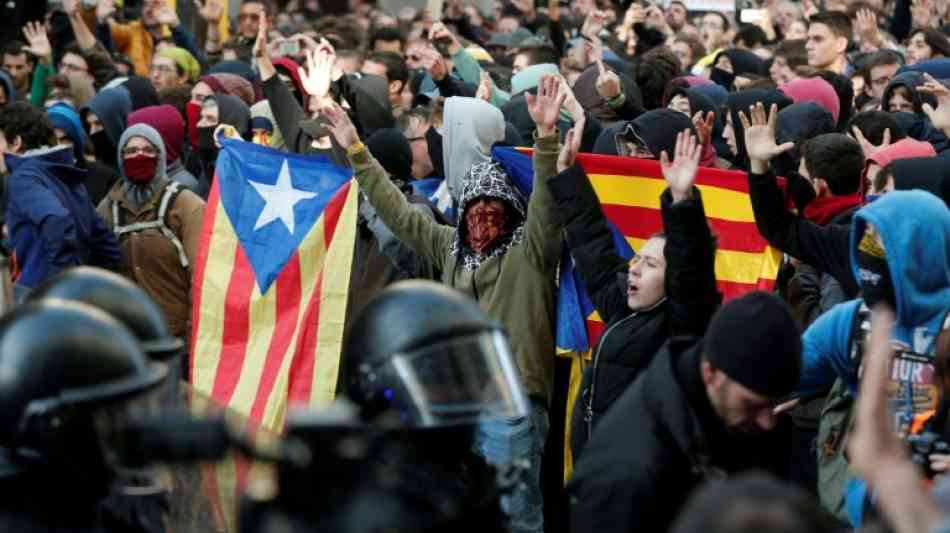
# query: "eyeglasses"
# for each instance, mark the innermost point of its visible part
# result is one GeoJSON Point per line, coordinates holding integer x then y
{"type": "Point", "coordinates": [72, 67]}
{"type": "Point", "coordinates": [414, 139]}
{"type": "Point", "coordinates": [164, 69]}
{"type": "Point", "coordinates": [147, 151]}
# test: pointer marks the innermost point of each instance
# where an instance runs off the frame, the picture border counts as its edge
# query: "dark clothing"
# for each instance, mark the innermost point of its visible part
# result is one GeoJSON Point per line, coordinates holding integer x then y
{"type": "Point", "coordinates": [288, 116]}
{"type": "Point", "coordinates": [826, 248]}
{"type": "Point", "coordinates": [52, 224]}
{"type": "Point", "coordinates": [741, 101]}
{"type": "Point", "coordinates": [929, 174]}
{"type": "Point", "coordinates": [661, 439]}
{"type": "Point", "coordinates": [99, 179]}
{"type": "Point", "coordinates": [631, 337]}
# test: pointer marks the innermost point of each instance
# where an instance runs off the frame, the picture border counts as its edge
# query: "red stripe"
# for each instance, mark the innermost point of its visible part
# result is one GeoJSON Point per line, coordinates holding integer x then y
{"type": "Point", "coordinates": [201, 262]}
{"type": "Point", "coordinates": [288, 308]}
{"type": "Point", "coordinates": [332, 211]}
{"type": "Point", "coordinates": [301, 368]}
{"type": "Point", "coordinates": [642, 222]}
{"type": "Point", "coordinates": [236, 328]}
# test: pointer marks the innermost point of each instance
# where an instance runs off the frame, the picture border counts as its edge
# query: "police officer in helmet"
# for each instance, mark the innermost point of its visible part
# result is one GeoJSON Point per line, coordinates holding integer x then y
{"type": "Point", "coordinates": [69, 374]}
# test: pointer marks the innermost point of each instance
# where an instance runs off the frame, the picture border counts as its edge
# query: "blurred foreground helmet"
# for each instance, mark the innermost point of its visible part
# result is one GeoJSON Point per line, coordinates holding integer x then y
{"type": "Point", "coordinates": [431, 355]}
{"type": "Point", "coordinates": [121, 299]}
{"type": "Point", "coordinates": [63, 365]}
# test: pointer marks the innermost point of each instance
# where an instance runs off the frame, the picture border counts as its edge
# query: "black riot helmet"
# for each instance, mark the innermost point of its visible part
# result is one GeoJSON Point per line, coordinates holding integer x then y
{"type": "Point", "coordinates": [431, 355]}
{"type": "Point", "coordinates": [64, 365]}
{"type": "Point", "coordinates": [121, 299]}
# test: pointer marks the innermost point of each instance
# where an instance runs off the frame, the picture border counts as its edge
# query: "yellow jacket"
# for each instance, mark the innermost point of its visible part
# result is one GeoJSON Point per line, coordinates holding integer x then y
{"type": "Point", "coordinates": [135, 42]}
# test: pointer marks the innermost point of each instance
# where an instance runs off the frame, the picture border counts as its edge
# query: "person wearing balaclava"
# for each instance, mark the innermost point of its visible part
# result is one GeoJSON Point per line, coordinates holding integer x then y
{"type": "Point", "coordinates": [168, 122]}
{"type": "Point", "coordinates": [504, 254]}
{"type": "Point", "coordinates": [69, 131]}
{"type": "Point", "coordinates": [216, 110]}
{"type": "Point", "coordinates": [158, 246]}
{"type": "Point", "coordinates": [104, 119]}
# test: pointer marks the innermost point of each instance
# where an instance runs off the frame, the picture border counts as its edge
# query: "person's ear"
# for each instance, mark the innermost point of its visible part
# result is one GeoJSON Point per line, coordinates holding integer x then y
{"type": "Point", "coordinates": [707, 372]}
{"type": "Point", "coordinates": [17, 145]}
{"type": "Point", "coordinates": [395, 86]}
{"type": "Point", "coordinates": [821, 187]}
{"type": "Point", "coordinates": [842, 45]}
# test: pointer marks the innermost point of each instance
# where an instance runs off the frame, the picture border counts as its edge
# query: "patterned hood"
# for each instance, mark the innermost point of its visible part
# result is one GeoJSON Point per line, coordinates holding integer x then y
{"type": "Point", "coordinates": [488, 180]}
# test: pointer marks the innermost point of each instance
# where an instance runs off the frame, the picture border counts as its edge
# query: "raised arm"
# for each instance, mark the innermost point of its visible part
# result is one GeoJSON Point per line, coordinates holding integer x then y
{"type": "Point", "coordinates": [689, 251]}
{"type": "Point", "coordinates": [422, 233]}
{"type": "Point", "coordinates": [542, 242]}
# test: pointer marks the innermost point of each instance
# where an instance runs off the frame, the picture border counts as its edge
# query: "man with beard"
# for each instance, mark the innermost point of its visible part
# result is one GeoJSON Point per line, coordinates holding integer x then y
{"type": "Point", "coordinates": [695, 414]}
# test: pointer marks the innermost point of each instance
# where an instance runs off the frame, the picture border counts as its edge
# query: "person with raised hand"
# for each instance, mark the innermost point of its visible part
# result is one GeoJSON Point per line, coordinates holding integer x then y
{"type": "Point", "coordinates": [679, 384]}
{"type": "Point", "coordinates": [504, 254]}
{"type": "Point", "coordinates": [669, 287]}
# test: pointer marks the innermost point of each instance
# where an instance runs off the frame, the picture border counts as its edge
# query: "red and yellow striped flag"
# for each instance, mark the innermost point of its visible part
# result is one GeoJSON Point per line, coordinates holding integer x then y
{"type": "Point", "coordinates": [271, 282]}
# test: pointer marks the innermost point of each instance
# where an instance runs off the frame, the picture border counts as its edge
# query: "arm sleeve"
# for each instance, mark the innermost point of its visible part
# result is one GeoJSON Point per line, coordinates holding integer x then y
{"type": "Point", "coordinates": [647, 38]}
{"type": "Point", "coordinates": [104, 246]}
{"type": "Point", "coordinates": [541, 242]}
{"type": "Point", "coordinates": [690, 264]}
{"type": "Point", "coordinates": [54, 225]}
{"type": "Point", "coordinates": [825, 354]}
{"type": "Point", "coordinates": [823, 247]}
{"type": "Point", "coordinates": [104, 36]}
{"type": "Point", "coordinates": [452, 87]}
{"type": "Point", "coordinates": [466, 67]}
{"type": "Point", "coordinates": [287, 111]}
{"type": "Point", "coordinates": [38, 88]}
{"type": "Point", "coordinates": [192, 220]}
{"type": "Point", "coordinates": [557, 36]}
{"type": "Point", "coordinates": [590, 242]}
{"type": "Point", "coordinates": [422, 233]}
{"type": "Point", "coordinates": [901, 23]}
{"type": "Point", "coordinates": [121, 35]}
{"type": "Point", "coordinates": [185, 40]}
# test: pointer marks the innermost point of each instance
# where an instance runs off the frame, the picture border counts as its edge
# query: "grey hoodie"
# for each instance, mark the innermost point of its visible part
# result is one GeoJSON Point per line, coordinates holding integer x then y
{"type": "Point", "coordinates": [471, 127]}
{"type": "Point", "coordinates": [136, 193]}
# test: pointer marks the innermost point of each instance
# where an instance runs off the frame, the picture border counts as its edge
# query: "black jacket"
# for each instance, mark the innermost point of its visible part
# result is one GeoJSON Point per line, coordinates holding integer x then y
{"type": "Point", "coordinates": [649, 451]}
{"type": "Point", "coordinates": [631, 338]}
{"type": "Point", "coordinates": [827, 248]}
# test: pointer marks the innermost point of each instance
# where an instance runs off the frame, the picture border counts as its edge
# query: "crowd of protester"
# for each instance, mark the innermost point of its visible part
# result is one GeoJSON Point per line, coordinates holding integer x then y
{"type": "Point", "coordinates": [832, 388]}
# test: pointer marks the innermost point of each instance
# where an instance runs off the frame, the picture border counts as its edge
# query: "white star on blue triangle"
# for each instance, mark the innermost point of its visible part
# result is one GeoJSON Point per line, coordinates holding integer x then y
{"type": "Point", "coordinates": [281, 199]}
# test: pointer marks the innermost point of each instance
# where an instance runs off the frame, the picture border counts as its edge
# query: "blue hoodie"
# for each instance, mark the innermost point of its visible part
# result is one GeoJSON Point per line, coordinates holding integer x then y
{"type": "Point", "coordinates": [915, 229]}
{"type": "Point", "coordinates": [51, 221]}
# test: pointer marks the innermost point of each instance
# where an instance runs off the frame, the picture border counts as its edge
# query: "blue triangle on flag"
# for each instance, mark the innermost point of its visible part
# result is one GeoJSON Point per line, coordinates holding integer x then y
{"type": "Point", "coordinates": [263, 205]}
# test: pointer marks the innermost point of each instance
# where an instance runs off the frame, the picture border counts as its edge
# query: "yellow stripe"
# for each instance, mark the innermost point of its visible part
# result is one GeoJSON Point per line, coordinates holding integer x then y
{"type": "Point", "coordinates": [573, 391]}
{"type": "Point", "coordinates": [333, 304]}
{"type": "Point", "coordinates": [637, 191]}
{"type": "Point", "coordinates": [214, 288]}
{"type": "Point", "coordinates": [737, 267]}
{"type": "Point", "coordinates": [261, 323]}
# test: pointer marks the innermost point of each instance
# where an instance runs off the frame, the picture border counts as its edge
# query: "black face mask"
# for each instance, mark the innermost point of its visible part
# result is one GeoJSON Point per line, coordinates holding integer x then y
{"type": "Point", "coordinates": [875, 276]}
{"type": "Point", "coordinates": [434, 142]}
{"type": "Point", "coordinates": [206, 138]}
{"type": "Point", "coordinates": [104, 149]}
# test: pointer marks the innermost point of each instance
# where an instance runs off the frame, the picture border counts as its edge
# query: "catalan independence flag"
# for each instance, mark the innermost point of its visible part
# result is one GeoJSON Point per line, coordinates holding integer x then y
{"type": "Point", "coordinates": [271, 280]}
{"type": "Point", "coordinates": [629, 191]}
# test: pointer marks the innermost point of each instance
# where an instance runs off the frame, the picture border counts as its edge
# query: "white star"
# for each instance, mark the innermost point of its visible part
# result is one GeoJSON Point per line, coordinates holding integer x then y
{"type": "Point", "coordinates": [280, 199]}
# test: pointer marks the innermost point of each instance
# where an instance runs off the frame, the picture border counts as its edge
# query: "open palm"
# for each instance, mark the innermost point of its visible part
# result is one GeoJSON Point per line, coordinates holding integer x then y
{"type": "Point", "coordinates": [680, 174]}
{"type": "Point", "coordinates": [545, 108]}
{"type": "Point", "coordinates": [316, 77]}
{"type": "Point", "coordinates": [760, 133]}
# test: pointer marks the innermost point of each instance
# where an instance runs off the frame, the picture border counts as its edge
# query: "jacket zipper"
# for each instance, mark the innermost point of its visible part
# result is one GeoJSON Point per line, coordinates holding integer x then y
{"type": "Point", "coordinates": [589, 415]}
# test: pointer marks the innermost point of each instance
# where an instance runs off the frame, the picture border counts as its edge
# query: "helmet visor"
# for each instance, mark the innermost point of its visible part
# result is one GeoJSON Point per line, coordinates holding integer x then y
{"type": "Point", "coordinates": [454, 382]}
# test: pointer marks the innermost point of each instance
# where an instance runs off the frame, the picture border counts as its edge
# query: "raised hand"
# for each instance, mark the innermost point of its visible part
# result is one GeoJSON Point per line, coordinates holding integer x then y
{"type": "Point", "coordinates": [866, 146]}
{"type": "Point", "coordinates": [318, 74]}
{"type": "Point", "coordinates": [680, 174]}
{"type": "Point", "coordinates": [167, 15]}
{"type": "Point", "coordinates": [760, 133]}
{"type": "Point", "coordinates": [485, 86]}
{"type": "Point", "coordinates": [867, 28]}
{"type": "Point", "coordinates": [572, 145]}
{"type": "Point", "coordinates": [340, 125]}
{"type": "Point", "coordinates": [703, 126]}
{"type": "Point", "coordinates": [439, 32]}
{"type": "Point", "coordinates": [211, 11]}
{"type": "Point", "coordinates": [434, 64]}
{"type": "Point", "coordinates": [261, 46]}
{"type": "Point", "coordinates": [39, 45]}
{"type": "Point", "coordinates": [104, 10]}
{"type": "Point", "coordinates": [545, 108]}
{"type": "Point", "coordinates": [594, 23]}
{"type": "Point", "coordinates": [608, 83]}
{"type": "Point", "coordinates": [71, 7]}
{"type": "Point", "coordinates": [941, 115]}
{"type": "Point", "coordinates": [573, 107]}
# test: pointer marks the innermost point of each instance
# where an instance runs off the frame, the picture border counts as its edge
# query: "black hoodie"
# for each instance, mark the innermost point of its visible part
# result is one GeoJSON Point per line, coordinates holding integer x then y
{"type": "Point", "coordinates": [741, 101]}
{"type": "Point", "coordinates": [912, 80]}
{"type": "Point", "coordinates": [931, 174]}
{"type": "Point", "coordinates": [657, 129]}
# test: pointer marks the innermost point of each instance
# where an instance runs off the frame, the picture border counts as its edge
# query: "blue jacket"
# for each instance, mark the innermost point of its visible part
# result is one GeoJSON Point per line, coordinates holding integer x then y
{"type": "Point", "coordinates": [915, 230]}
{"type": "Point", "coordinates": [52, 224]}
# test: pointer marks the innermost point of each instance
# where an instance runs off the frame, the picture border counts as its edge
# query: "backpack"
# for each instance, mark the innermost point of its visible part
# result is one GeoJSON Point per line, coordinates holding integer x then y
{"type": "Point", "coordinates": [169, 196]}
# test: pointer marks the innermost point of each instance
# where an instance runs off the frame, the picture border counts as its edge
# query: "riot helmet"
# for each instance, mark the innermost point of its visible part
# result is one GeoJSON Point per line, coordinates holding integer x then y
{"type": "Point", "coordinates": [65, 367]}
{"type": "Point", "coordinates": [432, 356]}
{"type": "Point", "coordinates": [121, 299]}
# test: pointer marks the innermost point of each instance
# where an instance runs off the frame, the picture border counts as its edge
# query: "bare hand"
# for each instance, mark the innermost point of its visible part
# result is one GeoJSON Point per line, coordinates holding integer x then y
{"type": "Point", "coordinates": [760, 133]}
{"type": "Point", "coordinates": [317, 76]}
{"type": "Point", "coordinates": [867, 28]}
{"type": "Point", "coordinates": [608, 83]}
{"type": "Point", "coordinates": [104, 10]}
{"type": "Point", "coordinates": [434, 64]}
{"type": "Point", "coordinates": [71, 7]}
{"type": "Point", "coordinates": [485, 87]}
{"type": "Point", "coordinates": [573, 107]}
{"type": "Point", "coordinates": [873, 440]}
{"type": "Point", "coordinates": [167, 15]}
{"type": "Point", "coordinates": [656, 20]}
{"type": "Point", "coordinates": [866, 145]}
{"type": "Point", "coordinates": [940, 116]}
{"type": "Point", "coordinates": [545, 108]}
{"type": "Point", "coordinates": [594, 23]}
{"type": "Point", "coordinates": [809, 8]}
{"type": "Point", "coordinates": [635, 14]}
{"type": "Point", "coordinates": [572, 145]}
{"type": "Point", "coordinates": [680, 174]}
{"type": "Point", "coordinates": [39, 45]}
{"type": "Point", "coordinates": [211, 11]}
{"type": "Point", "coordinates": [703, 127]}
{"type": "Point", "coordinates": [922, 13]}
{"type": "Point", "coordinates": [340, 125]}
{"type": "Point", "coordinates": [439, 32]}
{"type": "Point", "coordinates": [261, 46]}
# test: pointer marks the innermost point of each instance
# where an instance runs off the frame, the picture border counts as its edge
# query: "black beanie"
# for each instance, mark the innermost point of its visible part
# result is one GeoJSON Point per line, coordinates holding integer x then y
{"type": "Point", "coordinates": [755, 341]}
{"type": "Point", "coordinates": [393, 152]}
